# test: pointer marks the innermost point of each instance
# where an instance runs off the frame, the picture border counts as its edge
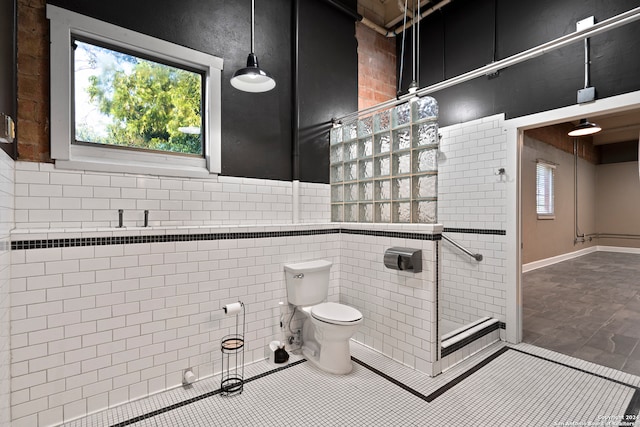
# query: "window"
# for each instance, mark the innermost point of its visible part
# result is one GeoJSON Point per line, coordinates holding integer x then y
{"type": "Point", "coordinates": [126, 102]}
{"type": "Point", "coordinates": [545, 189]}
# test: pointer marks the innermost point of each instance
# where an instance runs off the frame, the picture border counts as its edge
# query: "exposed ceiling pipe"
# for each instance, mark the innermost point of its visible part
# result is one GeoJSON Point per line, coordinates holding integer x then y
{"type": "Point", "coordinates": [399, 18]}
{"type": "Point", "coordinates": [423, 15]}
{"type": "Point", "coordinates": [599, 28]}
{"type": "Point", "coordinates": [365, 21]}
{"type": "Point", "coordinates": [384, 31]}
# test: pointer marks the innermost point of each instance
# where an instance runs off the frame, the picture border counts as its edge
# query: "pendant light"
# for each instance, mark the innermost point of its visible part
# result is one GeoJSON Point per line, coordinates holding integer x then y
{"type": "Point", "coordinates": [585, 128]}
{"type": "Point", "coordinates": [252, 78]}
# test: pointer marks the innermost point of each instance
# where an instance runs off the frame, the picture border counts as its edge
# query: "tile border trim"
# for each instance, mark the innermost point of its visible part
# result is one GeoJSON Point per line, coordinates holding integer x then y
{"type": "Point", "coordinates": [474, 231]}
{"type": "Point", "coordinates": [197, 398]}
{"type": "Point", "coordinates": [167, 238]}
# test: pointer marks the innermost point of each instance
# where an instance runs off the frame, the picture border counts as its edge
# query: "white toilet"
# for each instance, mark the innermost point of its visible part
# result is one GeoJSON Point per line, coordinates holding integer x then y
{"type": "Point", "coordinates": [328, 326]}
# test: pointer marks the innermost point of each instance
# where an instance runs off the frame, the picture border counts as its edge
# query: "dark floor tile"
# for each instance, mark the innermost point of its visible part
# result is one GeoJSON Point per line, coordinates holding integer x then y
{"type": "Point", "coordinates": [587, 307]}
{"type": "Point", "coordinates": [632, 366]}
{"type": "Point", "coordinates": [613, 343]}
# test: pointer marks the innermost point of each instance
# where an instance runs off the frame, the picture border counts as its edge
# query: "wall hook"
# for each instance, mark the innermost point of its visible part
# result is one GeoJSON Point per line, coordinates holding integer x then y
{"type": "Point", "coordinates": [501, 171]}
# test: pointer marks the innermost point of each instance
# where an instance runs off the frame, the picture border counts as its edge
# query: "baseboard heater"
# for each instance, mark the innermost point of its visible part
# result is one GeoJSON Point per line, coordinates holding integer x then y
{"type": "Point", "coordinates": [459, 338]}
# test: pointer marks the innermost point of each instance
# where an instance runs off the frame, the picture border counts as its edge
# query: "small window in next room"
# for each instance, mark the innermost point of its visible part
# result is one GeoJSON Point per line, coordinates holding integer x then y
{"type": "Point", "coordinates": [545, 189]}
{"type": "Point", "coordinates": [122, 101]}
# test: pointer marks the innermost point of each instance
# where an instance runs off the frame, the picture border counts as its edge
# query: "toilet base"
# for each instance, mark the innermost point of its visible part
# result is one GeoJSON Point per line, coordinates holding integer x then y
{"type": "Point", "coordinates": [336, 365]}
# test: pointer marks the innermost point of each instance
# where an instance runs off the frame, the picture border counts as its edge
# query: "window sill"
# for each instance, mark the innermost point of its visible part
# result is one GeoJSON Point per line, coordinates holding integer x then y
{"type": "Point", "coordinates": [545, 217]}
{"type": "Point", "coordinates": [146, 168]}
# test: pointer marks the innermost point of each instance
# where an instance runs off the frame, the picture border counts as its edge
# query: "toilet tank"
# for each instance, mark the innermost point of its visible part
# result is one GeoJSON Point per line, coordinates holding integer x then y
{"type": "Point", "coordinates": [307, 282]}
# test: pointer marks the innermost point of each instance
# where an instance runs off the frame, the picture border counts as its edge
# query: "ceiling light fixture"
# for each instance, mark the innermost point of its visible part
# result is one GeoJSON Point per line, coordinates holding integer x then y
{"type": "Point", "coordinates": [252, 78]}
{"type": "Point", "coordinates": [585, 128]}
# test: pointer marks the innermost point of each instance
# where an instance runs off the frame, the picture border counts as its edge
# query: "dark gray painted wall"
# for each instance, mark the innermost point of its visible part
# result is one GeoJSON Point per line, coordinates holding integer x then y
{"type": "Point", "coordinates": [468, 34]}
{"type": "Point", "coordinates": [7, 65]}
{"type": "Point", "coordinates": [257, 133]}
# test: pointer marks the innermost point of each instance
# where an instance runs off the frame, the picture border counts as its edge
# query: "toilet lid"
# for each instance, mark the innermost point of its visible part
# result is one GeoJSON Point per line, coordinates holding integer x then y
{"type": "Point", "coordinates": [332, 312]}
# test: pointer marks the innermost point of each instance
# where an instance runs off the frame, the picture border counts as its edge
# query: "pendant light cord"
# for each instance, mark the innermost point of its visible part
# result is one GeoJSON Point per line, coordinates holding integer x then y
{"type": "Point", "coordinates": [404, 28]}
{"type": "Point", "coordinates": [253, 20]}
{"type": "Point", "coordinates": [417, 77]}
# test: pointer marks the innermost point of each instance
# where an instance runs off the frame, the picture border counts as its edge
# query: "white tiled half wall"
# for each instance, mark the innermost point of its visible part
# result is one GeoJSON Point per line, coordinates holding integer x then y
{"type": "Point", "coordinates": [95, 326]}
{"type": "Point", "coordinates": [472, 199]}
{"type": "Point", "coordinates": [6, 224]}
{"type": "Point", "coordinates": [49, 198]}
{"type": "Point", "coordinates": [399, 307]}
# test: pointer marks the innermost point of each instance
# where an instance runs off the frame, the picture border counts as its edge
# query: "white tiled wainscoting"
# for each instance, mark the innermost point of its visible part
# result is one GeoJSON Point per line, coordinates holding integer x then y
{"type": "Point", "coordinates": [6, 224]}
{"type": "Point", "coordinates": [50, 198]}
{"type": "Point", "coordinates": [472, 208]}
{"type": "Point", "coordinates": [97, 325]}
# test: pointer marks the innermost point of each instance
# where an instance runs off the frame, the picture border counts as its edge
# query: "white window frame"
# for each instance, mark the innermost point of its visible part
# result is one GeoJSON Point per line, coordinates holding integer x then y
{"type": "Point", "coordinates": [549, 206]}
{"type": "Point", "coordinates": [64, 26]}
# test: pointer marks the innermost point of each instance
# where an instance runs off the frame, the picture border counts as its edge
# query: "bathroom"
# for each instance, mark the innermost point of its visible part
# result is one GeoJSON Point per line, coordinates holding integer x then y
{"type": "Point", "coordinates": [102, 314]}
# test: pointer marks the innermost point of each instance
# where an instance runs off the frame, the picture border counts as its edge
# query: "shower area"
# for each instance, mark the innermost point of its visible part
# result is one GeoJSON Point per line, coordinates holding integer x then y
{"type": "Point", "coordinates": [395, 169]}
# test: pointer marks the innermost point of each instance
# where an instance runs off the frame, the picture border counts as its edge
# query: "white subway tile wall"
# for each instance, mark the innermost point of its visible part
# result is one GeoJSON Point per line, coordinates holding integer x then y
{"type": "Point", "coordinates": [96, 326]}
{"type": "Point", "coordinates": [49, 198]}
{"type": "Point", "coordinates": [6, 224]}
{"type": "Point", "coordinates": [472, 195]}
{"type": "Point", "coordinates": [398, 306]}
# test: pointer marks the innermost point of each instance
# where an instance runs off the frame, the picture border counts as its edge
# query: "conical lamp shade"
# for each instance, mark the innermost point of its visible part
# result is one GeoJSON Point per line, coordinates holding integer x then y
{"type": "Point", "coordinates": [252, 78]}
{"type": "Point", "coordinates": [585, 128]}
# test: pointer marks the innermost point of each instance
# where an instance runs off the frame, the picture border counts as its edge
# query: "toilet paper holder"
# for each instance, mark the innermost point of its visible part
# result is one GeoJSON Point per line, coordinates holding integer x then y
{"type": "Point", "coordinates": [404, 259]}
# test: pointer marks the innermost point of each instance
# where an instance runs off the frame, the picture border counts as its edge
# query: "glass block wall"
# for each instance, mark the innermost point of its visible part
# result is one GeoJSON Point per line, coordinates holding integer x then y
{"type": "Point", "coordinates": [384, 167]}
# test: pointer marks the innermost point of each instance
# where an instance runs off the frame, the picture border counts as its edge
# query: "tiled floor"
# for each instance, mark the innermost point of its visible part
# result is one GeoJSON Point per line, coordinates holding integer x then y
{"type": "Point", "coordinates": [500, 386]}
{"type": "Point", "coordinates": [588, 307]}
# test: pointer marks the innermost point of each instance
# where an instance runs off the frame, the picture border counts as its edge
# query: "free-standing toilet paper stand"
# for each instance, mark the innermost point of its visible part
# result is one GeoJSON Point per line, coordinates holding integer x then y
{"type": "Point", "coordinates": [232, 347]}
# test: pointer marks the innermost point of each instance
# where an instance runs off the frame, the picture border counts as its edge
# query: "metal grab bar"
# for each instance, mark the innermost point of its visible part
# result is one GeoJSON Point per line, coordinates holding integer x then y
{"type": "Point", "coordinates": [477, 257]}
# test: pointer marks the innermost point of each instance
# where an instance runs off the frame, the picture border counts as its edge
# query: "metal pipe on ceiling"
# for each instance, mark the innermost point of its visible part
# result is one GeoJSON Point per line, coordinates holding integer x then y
{"type": "Point", "coordinates": [576, 36]}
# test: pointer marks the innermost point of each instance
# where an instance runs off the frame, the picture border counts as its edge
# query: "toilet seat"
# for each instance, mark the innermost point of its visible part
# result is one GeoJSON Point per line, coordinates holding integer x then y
{"type": "Point", "coordinates": [337, 314]}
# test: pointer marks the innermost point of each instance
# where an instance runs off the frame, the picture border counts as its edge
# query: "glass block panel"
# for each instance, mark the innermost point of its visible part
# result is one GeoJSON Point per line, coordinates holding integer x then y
{"type": "Point", "coordinates": [351, 212]}
{"type": "Point", "coordinates": [382, 190]}
{"type": "Point", "coordinates": [382, 143]}
{"type": "Point", "coordinates": [424, 186]}
{"type": "Point", "coordinates": [366, 190]}
{"type": "Point", "coordinates": [401, 139]}
{"type": "Point", "coordinates": [382, 121]}
{"type": "Point", "coordinates": [366, 212]}
{"type": "Point", "coordinates": [336, 213]}
{"type": "Point", "coordinates": [349, 131]}
{"type": "Point", "coordinates": [401, 188]}
{"type": "Point", "coordinates": [425, 160]}
{"type": "Point", "coordinates": [383, 212]}
{"type": "Point", "coordinates": [337, 193]}
{"type": "Point", "coordinates": [425, 108]}
{"type": "Point", "coordinates": [401, 212]}
{"type": "Point", "coordinates": [401, 163]}
{"type": "Point", "coordinates": [335, 136]}
{"type": "Point", "coordinates": [350, 171]}
{"type": "Point", "coordinates": [382, 166]}
{"type": "Point", "coordinates": [351, 193]}
{"type": "Point", "coordinates": [365, 147]}
{"type": "Point", "coordinates": [401, 115]}
{"type": "Point", "coordinates": [425, 134]}
{"type": "Point", "coordinates": [337, 173]}
{"type": "Point", "coordinates": [336, 154]}
{"type": "Point", "coordinates": [365, 169]}
{"type": "Point", "coordinates": [365, 127]}
{"type": "Point", "coordinates": [425, 212]}
{"type": "Point", "coordinates": [350, 150]}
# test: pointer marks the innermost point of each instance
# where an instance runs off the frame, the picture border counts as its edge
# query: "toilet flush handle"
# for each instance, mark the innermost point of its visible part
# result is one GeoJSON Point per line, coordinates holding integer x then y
{"type": "Point", "coordinates": [299, 276]}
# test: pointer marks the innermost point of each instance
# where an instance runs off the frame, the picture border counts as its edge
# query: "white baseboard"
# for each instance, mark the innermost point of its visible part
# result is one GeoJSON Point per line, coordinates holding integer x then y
{"type": "Point", "coordinates": [619, 249]}
{"type": "Point", "coordinates": [556, 259]}
{"type": "Point", "coordinates": [564, 257]}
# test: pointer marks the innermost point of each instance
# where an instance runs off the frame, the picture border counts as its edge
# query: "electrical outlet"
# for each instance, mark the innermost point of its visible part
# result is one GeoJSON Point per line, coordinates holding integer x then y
{"type": "Point", "coordinates": [7, 128]}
